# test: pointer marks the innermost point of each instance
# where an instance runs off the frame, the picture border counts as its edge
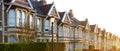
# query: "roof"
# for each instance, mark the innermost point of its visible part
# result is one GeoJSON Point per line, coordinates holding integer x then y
{"type": "Point", "coordinates": [24, 4]}
{"type": "Point", "coordinates": [36, 7]}
{"type": "Point", "coordinates": [73, 21]}
{"type": "Point", "coordinates": [41, 9]}
{"type": "Point", "coordinates": [83, 23]}
{"type": "Point", "coordinates": [61, 14]}
{"type": "Point", "coordinates": [92, 27]}
{"type": "Point", "coordinates": [45, 8]}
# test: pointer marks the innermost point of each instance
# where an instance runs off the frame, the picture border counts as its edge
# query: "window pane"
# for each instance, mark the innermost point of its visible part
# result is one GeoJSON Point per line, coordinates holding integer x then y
{"type": "Point", "coordinates": [23, 18]}
{"type": "Point", "coordinates": [60, 31]}
{"type": "Point", "coordinates": [18, 18]}
{"type": "Point", "coordinates": [11, 18]}
{"type": "Point", "coordinates": [38, 24]}
{"type": "Point", "coordinates": [47, 25]}
{"type": "Point", "coordinates": [30, 21]}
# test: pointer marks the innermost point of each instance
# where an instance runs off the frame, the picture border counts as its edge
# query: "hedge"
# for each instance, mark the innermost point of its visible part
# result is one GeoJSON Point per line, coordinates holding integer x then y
{"type": "Point", "coordinates": [32, 46]}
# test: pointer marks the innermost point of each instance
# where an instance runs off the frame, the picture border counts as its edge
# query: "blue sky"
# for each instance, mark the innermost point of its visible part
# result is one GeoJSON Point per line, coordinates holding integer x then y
{"type": "Point", "coordinates": [105, 13]}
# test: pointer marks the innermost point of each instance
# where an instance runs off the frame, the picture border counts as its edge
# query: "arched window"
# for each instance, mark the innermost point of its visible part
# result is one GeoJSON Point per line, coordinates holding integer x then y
{"type": "Point", "coordinates": [18, 18]}
{"type": "Point", "coordinates": [47, 24]}
{"type": "Point", "coordinates": [11, 18]}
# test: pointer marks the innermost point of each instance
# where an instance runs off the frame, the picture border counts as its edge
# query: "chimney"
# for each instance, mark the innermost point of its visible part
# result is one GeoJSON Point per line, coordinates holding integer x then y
{"type": "Point", "coordinates": [86, 19]}
{"type": "Point", "coordinates": [70, 13]}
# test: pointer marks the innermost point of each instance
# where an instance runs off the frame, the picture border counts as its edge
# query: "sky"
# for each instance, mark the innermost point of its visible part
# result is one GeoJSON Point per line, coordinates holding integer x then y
{"type": "Point", "coordinates": [105, 13]}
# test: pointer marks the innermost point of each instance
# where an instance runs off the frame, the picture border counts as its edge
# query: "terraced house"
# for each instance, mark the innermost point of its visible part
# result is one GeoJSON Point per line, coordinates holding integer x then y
{"type": "Point", "coordinates": [30, 21]}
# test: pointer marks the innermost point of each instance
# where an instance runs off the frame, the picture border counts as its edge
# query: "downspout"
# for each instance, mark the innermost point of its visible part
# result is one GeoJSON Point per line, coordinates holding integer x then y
{"type": "Point", "coordinates": [3, 9]}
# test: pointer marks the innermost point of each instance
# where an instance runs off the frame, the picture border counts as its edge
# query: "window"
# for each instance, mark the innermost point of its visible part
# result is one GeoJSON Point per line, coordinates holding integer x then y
{"type": "Point", "coordinates": [47, 24]}
{"type": "Point", "coordinates": [11, 18]}
{"type": "Point", "coordinates": [23, 18]}
{"type": "Point", "coordinates": [65, 31]}
{"type": "Point", "coordinates": [12, 39]}
{"type": "Point", "coordinates": [60, 31]}
{"type": "Point", "coordinates": [72, 33]}
{"type": "Point", "coordinates": [83, 35]}
{"type": "Point", "coordinates": [31, 23]}
{"type": "Point", "coordinates": [38, 25]}
{"type": "Point", "coordinates": [80, 33]}
{"type": "Point", "coordinates": [18, 18]}
{"type": "Point", "coordinates": [38, 40]}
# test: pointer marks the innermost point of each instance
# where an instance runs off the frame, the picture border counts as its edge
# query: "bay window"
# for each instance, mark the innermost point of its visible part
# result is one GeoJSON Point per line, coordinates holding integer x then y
{"type": "Point", "coordinates": [11, 18]}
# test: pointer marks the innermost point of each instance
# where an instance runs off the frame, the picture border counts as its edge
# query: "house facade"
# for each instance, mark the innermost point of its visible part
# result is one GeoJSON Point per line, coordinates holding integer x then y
{"type": "Point", "coordinates": [30, 21]}
{"type": "Point", "coordinates": [94, 35]}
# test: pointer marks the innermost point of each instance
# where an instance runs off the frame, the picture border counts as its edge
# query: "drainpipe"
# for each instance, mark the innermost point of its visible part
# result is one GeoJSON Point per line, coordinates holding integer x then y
{"type": "Point", "coordinates": [3, 21]}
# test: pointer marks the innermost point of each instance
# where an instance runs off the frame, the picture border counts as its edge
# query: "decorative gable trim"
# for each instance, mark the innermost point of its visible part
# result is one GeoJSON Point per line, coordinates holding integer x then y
{"type": "Point", "coordinates": [67, 17]}
{"type": "Point", "coordinates": [30, 4]}
{"type": "Point", "coordinates": [51, 9]}
{"type": "Point", "coordinates": [53, 6]}
{"type": "Point", "coordinates": [63, 17]}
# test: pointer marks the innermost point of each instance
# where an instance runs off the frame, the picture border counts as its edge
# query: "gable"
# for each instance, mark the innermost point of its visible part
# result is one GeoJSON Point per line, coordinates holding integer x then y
{"type": "Point", "coordinates": [87, 26]}
{"type": "Point", "coordinates": [66, 20]}
{"type": "Point", "coordinates": [53, 12]}
{"type": "Point", "coordinates": [96, 29]}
